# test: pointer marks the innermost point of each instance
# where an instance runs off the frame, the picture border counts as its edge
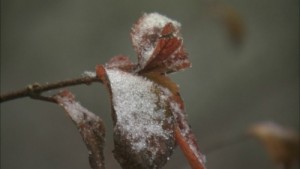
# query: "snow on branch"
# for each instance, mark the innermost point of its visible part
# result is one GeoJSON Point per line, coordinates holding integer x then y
{"type": "Point", "coordinates": [147, 109]}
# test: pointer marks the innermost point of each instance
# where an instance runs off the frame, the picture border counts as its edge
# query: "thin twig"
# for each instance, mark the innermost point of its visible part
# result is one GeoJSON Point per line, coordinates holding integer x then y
{"type": "Point", "coordinates": [34, 90]}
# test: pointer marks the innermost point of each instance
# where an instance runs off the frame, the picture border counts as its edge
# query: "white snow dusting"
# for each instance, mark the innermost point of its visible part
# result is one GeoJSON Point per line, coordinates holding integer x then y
{"type": "Point", "coordinates": [89, 74]}
{"type": "Point", "coordinates": [149, 25]}
{"type": "Point", "coordinates": [178, 113]}
{"type": "Point", "coordinates": [138, 108]}
{"type": "Point", "coordinates": [77, 113]}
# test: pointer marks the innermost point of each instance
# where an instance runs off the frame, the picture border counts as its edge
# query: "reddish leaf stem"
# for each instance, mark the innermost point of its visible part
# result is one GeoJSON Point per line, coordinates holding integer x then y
{"type": "Point", "coordinates": [189, 154]}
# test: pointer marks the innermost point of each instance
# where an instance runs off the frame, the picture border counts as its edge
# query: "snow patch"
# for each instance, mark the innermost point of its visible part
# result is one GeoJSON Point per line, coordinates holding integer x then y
{"type": "Point", "coordinates": [139, 109]}
{"type": "Point", "coordinates": [77, 112]}
{"type": "Point", "coordinates": [149, 24]}
{"type": "Point", "coordinates": [90, 74]}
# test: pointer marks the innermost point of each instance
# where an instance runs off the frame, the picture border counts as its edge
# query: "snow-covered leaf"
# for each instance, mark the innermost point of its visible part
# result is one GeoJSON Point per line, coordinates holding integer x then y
{"type": "Point", "coordinates": [90, 127]}
{"type": "Point", "coordinates": [143, 124]}
{"type": "Point", "coordinates": [148, 112]}
{"type": "Point", "coordinates": [182, 131]}
{"type": "Point", "coordinates": [159, 45]}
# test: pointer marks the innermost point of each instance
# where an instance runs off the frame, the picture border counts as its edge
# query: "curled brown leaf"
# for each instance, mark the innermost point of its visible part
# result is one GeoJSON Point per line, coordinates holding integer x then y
{"type": "Point", "coordinates": [146, 103]}
{"type": "Point", "coordinates": [159, 44]}
{"type": "Point", "coordinates": [90, 127]}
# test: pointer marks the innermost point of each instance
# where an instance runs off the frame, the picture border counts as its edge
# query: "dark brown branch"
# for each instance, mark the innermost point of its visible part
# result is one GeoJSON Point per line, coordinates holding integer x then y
{"type": "Point", "coordinates": [34, 90]}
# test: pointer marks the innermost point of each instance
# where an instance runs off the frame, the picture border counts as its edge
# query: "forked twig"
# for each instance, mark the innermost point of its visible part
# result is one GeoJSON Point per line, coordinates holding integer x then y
{"type": "Point", "coordinates": [34, 90]}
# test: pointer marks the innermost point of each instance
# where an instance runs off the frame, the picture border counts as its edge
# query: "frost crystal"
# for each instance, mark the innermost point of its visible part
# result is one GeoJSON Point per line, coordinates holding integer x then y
{"type": "Point", "coordinates": [89, 74]}
{"type": "Point", "coordinates": [138, 109]}
{"type": "Point", "coordinates": [147, 31]}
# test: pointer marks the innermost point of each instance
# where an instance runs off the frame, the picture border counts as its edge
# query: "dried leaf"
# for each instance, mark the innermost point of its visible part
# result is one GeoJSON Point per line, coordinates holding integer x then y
{"type": "Point", "coordinates": [147, 110]}
{"type": "Point", "coordinates": [143, 127]}
{"type": "Point", "coordinates": [90, 127]}
{"type": "Point", "coordinates": [282, 144]}
{"type": "Point", "coordinates": [163, 80]}
{"type": "Point", "coordinates": [182, 131]}
{"type": "Point", "coordinates": [159, 45]}
{"type": "Point", "coordinates": [121, 62]}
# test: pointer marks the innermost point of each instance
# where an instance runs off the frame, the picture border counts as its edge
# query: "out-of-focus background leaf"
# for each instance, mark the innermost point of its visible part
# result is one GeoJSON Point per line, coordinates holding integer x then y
{"type": "Point", "coordinates": [228, 88]}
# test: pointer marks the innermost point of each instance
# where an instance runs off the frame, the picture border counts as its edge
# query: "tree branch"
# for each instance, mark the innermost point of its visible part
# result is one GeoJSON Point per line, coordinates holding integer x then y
{"type": "Point", "coordinates": [34, 90]}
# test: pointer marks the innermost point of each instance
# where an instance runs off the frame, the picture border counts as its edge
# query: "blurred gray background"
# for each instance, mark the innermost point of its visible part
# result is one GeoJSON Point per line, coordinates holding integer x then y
{"type": "Point", "coordinates": [228, 88]}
